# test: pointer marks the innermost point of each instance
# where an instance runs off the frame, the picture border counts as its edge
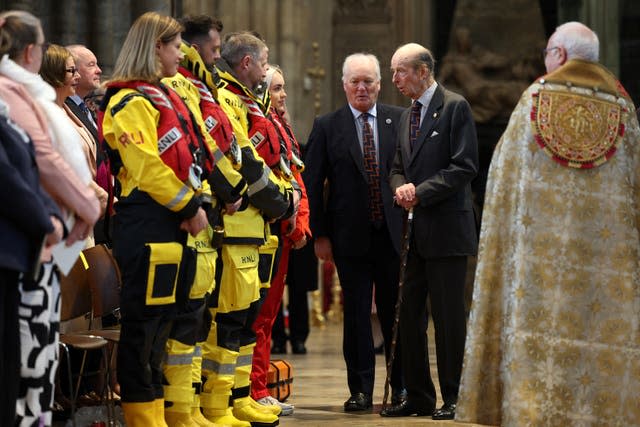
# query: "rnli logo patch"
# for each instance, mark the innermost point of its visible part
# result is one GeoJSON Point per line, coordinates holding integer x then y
{"type": "Point", "coordinates": [168, 139]}
{"type": "Point", "coordinates": [210, 123]}
{"type": "Point", "coordinates": [257, 138]}
{"type": "Point", "coordinates": [577, 131]}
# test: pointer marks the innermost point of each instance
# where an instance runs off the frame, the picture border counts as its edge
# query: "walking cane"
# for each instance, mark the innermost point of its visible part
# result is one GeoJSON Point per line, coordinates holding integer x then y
{"type": "Point", "coordinates": [394, 335]}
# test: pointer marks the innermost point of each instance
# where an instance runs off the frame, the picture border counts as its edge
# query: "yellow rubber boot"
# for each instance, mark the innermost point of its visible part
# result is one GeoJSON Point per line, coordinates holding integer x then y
{"type": "Point", "coordinates": [270, 409]}
{"type": "Point", "coordinates": [242, 410]}
{"type": "Point", "coordinates": [242, 374]}
{"type": "Point", "coordinates": [139, 414]}
{"type": "Point", "coordinates": [179, 415]}
{"type": "Point", "coordinates": [198, 417]}
{"type": "Point", "coordinates": [225, 417]}
{"type": "Point", "coordinates": [218, 367]}
{"type": "Point", "coordinates": [159, 411]}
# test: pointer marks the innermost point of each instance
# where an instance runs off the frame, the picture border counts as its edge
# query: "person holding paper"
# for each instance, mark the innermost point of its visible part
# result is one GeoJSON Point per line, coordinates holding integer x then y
{"type": "Point", "coordinates": [64, 174]}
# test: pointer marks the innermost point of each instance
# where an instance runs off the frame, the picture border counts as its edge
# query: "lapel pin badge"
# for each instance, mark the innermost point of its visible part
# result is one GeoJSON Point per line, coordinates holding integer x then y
{"type": "Point", "coordinates": [388, 121]}
{"type": "Point", "coordinates": [435, 115]}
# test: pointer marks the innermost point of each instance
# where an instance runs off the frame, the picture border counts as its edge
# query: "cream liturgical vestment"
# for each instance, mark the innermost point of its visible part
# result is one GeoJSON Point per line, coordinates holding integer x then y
{"type": "Point", "coordinates": [554, 335]}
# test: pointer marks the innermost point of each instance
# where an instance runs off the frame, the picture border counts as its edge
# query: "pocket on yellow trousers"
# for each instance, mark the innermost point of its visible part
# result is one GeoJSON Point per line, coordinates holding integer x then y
{"type": "Point", "coordinates": [205, 275]}
{"type": "Point", "coordinates": [162, 277]}
{"type": "Point", "coordinates": [240, 284]}
{"type": "Point", "coordinates": [267, 260]}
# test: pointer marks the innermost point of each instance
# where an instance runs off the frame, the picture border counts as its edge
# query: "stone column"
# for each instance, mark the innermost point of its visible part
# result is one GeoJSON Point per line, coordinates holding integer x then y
{"type": "Point", "coordinates": [601, 17]}
{"type": "Point", "coordinates": [141, 6]}
{"type": "Point", "coordinates": [604, 19]}
{"type": "Point", "coordinates": [111, 23]}
{"type": "Point", "coordinates": [197, 7]}
{"type": "Point", "coordinates": [361, 26]}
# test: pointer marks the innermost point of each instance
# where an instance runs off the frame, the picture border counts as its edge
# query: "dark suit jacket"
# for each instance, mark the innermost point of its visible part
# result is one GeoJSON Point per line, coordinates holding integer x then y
{"type": "Point", "coordinates": [89, 125]}
{"type": "Point", "coordinates": [83, 118]}
{"type": "Point", "coordinates": [334, 153]}
{"type": "Point", "coordinates": [441, 166]}
{"type": "Point", "coordinates": [25, 207]}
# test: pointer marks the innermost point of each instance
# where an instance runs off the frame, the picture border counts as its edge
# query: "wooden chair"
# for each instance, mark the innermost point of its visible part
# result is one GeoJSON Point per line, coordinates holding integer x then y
{"type": "Point", "coordinates": [76, 304]}
{"type": "Point", "coordinates": [105, 283]}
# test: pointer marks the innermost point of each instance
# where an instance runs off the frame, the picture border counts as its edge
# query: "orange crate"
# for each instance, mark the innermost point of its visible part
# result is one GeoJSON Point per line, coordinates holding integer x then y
{"type": "Point", "coordinates": [279, 379]}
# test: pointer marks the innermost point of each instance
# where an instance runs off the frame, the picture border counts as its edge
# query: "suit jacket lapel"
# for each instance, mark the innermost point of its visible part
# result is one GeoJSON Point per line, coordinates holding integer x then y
{"type": "Point", "coordinates": [77, 111]}
{"type": "Point", "coordinates": [430, 119]}
{"type": "Point", "coordinates": [386, 143]}
{"type": "Point", "coordinates": [351, 137]}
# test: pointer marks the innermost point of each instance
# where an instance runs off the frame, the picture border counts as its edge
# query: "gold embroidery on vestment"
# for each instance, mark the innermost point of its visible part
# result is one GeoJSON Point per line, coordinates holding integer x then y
{"type": "Point", "coordinates": [577, 131]}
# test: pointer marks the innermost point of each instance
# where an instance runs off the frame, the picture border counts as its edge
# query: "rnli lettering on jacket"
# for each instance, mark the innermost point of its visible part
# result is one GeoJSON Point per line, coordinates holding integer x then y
{"type": "Point", "coordinates": [178, 144]}
{"type": "Point", "coordinates": [262, 132]}
{"type": "Point", "coordinates": [216, 121]}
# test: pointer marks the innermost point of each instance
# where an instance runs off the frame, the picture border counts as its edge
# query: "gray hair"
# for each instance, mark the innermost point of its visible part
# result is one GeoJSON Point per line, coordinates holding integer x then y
{"type": "Point", "coordinates": [578, 40]}
{"type": "Point", "coordinates": [238, 45]}
{"type": "Point", "coordinates": [357, 56]}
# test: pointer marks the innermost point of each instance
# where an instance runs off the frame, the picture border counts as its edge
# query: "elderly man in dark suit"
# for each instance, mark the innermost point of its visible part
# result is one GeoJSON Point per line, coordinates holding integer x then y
{"type": "Point", "coordinates": [436, 159]}
{"type": "Point", "coordinates": [358, 227]}
{"type": "Point", "coordinates": [90, 74]}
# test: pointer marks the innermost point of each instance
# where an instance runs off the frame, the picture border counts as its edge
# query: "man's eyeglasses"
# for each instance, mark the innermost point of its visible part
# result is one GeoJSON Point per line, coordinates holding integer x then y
{"type": "Point", "coordinates": [71, 70]}
{"type": "Point", "coordinates": [549, 49]}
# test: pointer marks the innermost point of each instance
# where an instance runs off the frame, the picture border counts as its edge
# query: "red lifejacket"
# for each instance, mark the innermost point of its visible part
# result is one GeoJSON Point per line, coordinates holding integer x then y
{"type": "Point", "coordinates": [179, 143]}
{"type": "Point", "coordinates": [262, 132]}
{"type": "Point", "coordinates": [292, 146]}
{"type": "Point", "coordinates": [215, 120]}
{"type": "Point", "coordinates": [285, 142]}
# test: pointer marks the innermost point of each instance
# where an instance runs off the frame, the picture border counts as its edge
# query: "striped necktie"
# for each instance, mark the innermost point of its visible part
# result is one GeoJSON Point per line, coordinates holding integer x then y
{"type": "Point", "coordinates": [414, 122]}
{"type": "Point", "coordinates": [373, 173]}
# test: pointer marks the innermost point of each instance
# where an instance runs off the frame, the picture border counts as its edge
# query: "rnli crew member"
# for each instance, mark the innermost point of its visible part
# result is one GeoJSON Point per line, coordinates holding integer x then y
{"type": "Point", "coordinates": [156, 158]}
{"type": "Point", "coordinates": [242, 70]}
{"type": "Point", "coordinates": [227, 351]}
{"type": "Point", "coordinates": [293, 235]}
{"type": "Point", "coordinates": [223, 186]}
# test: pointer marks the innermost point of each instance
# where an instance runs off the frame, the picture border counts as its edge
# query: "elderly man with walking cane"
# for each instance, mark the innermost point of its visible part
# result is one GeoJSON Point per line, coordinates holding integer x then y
{"type": "Point", "coordinates": [436, 159]}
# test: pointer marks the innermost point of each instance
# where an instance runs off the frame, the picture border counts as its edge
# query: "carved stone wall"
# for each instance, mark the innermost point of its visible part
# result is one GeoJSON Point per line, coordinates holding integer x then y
{"type": "Point", "coordinates": [489, 69]}
{"type": "Point", "coordinates": [360, 26]}
{"type": "Point", "coordinates": [377, 27]}
{"type": "Point", "coordinates": [101, 25]}
{"type": "Point", "coordinates": [291, 27]}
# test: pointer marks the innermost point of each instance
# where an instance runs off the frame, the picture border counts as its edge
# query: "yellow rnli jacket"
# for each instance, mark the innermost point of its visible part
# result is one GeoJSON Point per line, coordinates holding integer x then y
{"type": "Point", "coordinates": [133, 134]}
{"type": "Point", "coordinates": [247, 226]}
{"type": "Point", "coordinates": [236, 111]}
{"type": "Point", "coordinates": [225, 181]}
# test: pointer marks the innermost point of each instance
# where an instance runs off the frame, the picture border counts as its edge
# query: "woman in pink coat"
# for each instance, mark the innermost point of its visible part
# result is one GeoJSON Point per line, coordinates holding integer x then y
{"type": "Point", "coordinates": [64, 174]}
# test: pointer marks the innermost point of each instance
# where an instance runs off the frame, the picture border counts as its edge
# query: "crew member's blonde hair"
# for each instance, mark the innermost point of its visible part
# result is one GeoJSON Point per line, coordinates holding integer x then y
{"type": "Point", "coordinates": [138, 59]}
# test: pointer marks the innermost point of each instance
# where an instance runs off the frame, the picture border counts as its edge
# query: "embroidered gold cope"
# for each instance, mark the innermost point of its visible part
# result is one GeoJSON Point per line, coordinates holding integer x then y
{"type": "Point", "coordinates": [576, 130]}
{"type": "Point", "coordinates": [554, 330]}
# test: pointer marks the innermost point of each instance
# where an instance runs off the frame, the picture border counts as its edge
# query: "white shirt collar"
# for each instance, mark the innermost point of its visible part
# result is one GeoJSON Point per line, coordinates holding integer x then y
{"type": "Point", "coordinates": [426, 96]}
{"type": "Point", "coordinates": [358, 113]}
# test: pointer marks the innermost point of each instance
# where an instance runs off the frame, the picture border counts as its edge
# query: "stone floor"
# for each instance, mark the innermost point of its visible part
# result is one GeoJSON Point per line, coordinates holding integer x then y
{"type": "Point", "coordinates": [319, 387]}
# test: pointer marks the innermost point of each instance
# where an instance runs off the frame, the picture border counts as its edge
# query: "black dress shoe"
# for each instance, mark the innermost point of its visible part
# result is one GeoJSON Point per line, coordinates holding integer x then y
{"type": "Point", "coordinates": [405, 409]}
{"type": "Point", "coordinates": [447, 412]}
{"type": "Point", "coordinates": [398, 396]}
{"type": "Point", "coordinates": [277, 348]}
{"type": "Point", "coordinates": [297, 347]}
{"type": "Point", "coordinates": [358, 402]}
